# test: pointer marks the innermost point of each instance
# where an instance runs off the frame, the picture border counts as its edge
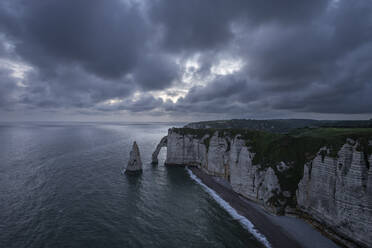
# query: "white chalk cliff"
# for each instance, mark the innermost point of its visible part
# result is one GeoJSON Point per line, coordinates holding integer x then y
{"type": "Point", "coordinates": [134, 163]}
{"type": "Point", "coordinates": [336, 192]}
{"type": "Point", "coordinates": [226, 158]}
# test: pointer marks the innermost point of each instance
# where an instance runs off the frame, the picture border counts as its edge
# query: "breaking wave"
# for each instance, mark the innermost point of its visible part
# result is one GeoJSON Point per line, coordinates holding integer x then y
{"type": "Point", "coordinates": [225, 205]}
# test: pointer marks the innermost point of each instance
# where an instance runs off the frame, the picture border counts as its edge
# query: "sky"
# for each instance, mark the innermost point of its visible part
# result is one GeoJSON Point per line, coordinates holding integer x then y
{"type": "Point", "coordinates": [176, 60]}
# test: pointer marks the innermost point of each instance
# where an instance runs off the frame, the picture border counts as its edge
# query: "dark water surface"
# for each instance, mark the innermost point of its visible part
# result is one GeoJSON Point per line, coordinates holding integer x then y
{"type": "Point", "coordinates": [61, 185]}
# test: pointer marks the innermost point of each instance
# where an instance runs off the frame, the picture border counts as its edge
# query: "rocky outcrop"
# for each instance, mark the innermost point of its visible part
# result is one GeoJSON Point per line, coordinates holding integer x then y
{"type": "Point", "coordinates": [134, 163]}
{"type": "Point", "coordinates": [337, 192]}
{"type": "Point", "coordinates": [184, 149]}
{"type": "Point", "coordinates": [334, 189]}
{"type": "Point", "coordinates": [227, 158]}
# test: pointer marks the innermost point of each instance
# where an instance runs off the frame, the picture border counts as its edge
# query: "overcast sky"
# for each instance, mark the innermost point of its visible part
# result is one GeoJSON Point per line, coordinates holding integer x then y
{"type": "Point", "coordinates": [184, 60]}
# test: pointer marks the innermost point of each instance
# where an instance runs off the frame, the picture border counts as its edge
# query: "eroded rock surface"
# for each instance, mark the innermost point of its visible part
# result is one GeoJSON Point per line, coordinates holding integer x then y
{"type": "Point", "coordinates": [134, 163]}
{"type": "Point", "coordinates": [226, 158]}
{"type": "Point", "coordinates": [334, 190]}
{"type": "Point", "coordinates": [162, 143]}
{"type": "Point", "coordinates": [338, 192]}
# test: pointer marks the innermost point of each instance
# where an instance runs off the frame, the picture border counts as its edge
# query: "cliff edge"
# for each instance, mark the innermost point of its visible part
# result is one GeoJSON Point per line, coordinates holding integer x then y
{"type": "Point", "coordinates": [323, 173]}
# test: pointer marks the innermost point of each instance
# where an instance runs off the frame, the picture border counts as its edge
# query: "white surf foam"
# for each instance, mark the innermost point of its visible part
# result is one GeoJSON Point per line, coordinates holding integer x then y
{"type": "Point", "coordinates": [225, 205]}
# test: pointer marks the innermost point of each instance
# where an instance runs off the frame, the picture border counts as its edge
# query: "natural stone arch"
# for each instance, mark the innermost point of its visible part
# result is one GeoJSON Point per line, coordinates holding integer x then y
{"type": "Point", "coordinates": [162, 143]}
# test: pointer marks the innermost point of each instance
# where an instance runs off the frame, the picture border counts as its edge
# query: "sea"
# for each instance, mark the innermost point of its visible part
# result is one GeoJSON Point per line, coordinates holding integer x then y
{"type": "Point", "coordinates": [62, 185]}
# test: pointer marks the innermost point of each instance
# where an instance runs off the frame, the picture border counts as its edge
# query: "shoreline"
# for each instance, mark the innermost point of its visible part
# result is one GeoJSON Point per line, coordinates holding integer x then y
{"type": "Point", "coordinates": [280, 231]}
{"type": "Point", "coordinates": [232, 212]}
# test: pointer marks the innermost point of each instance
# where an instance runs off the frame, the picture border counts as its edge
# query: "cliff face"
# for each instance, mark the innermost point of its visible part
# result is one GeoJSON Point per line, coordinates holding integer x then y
{"type": "Point", "coordinates": [338, 192]}
{"type": "Point", "coordinates": [334, 190]}
{"type": "Point", "coordinates": [230, 159]}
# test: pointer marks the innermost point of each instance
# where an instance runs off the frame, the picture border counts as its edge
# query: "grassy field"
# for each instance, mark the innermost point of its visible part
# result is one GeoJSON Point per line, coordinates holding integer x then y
{"type": "Point", "coordinates": [279, 125]}
{"type": "Point", "coordinates": [332, 132]}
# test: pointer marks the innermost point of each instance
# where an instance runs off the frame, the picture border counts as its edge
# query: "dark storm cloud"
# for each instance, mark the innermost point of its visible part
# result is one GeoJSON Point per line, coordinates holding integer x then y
{"type": "Point", "coordinates": [72, 87]}
{"type": "Point", "coordinates": [305, 53]}
{"type": "Point", "coordinates": [84, 51]}
{"type": "Point", "coordinates": [156, 72]}
{"type": "Point", "coordinates": [8, 90]}
{"type": "Point", "coordinates": [207, 24]}
{"type": "Point", "coordinates": [322, 66]}
{"type": "Point", "coordinates": [223, 87]}
{"type": "Point", "coordinates": [226, 94]}
{"type": "Point", "coordinates": [105, 37]}
{"type": "Point", "coordinates": [298, 56]}
{"type": "Point", "coordinates": [144, 103]}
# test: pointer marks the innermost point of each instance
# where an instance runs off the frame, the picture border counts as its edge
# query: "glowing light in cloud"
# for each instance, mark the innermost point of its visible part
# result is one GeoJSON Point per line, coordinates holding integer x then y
{"type": "Point", "coordinates": [112, 101]}
{"type": "Point", "coordinates": [226, 67]}
{"type": "Point", "coordinates": [191, 76]}
{"type": "Point", "coordinates": [18, 70]}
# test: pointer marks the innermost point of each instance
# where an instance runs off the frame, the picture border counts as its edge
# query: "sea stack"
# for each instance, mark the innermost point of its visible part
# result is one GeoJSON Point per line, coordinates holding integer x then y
{"type": "Point", "coordinates": [134, 164]}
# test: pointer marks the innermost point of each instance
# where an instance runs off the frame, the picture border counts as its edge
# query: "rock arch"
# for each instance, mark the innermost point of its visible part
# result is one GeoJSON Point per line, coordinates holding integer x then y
{"type": "Point", "coordinates": [162, 143]}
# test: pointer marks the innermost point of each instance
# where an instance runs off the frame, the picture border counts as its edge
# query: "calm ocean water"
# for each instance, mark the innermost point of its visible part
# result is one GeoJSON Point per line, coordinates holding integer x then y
{"type": "Point", "coordinates": [61, 185]}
